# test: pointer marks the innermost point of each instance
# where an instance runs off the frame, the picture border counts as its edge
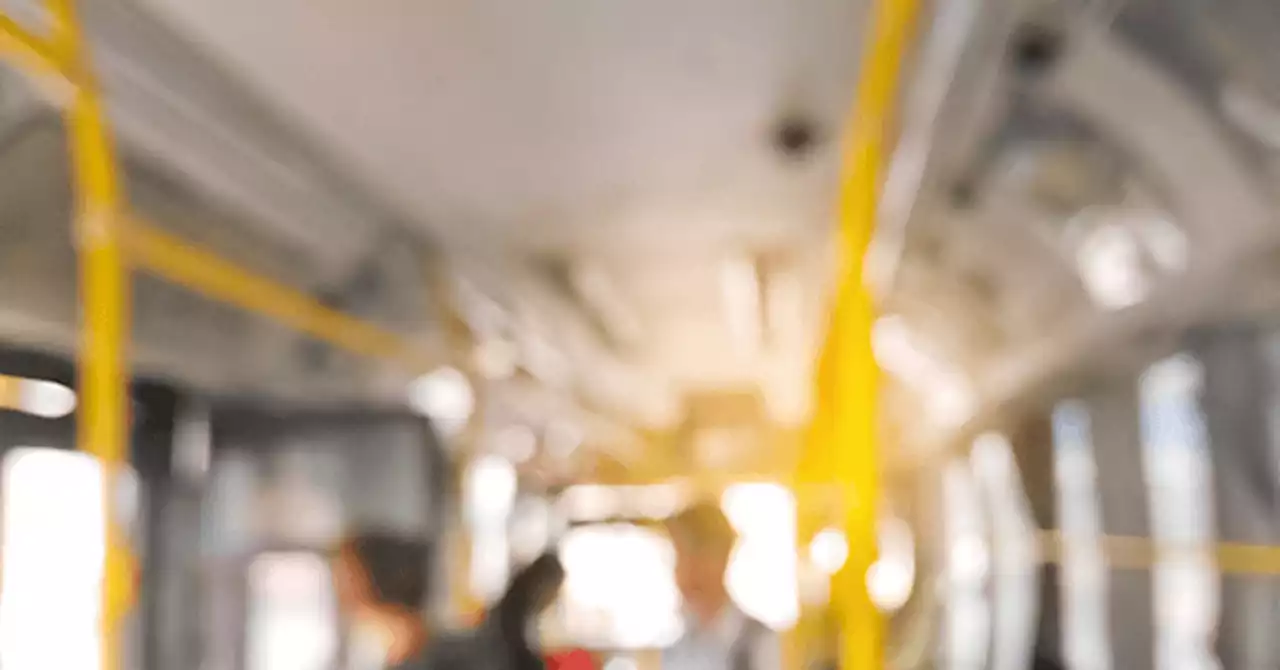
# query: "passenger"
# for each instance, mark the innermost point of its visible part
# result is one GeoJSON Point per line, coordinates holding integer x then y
{"type": "Point", "coordinates": [718, 635]}
{"type": "Point", "coordinates": [381, 581]}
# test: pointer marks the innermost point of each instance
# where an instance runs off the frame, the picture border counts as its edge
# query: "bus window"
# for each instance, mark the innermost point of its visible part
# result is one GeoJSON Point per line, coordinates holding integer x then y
{"type": "Point", "coordinates": [52, 559]}
{"type": "Point", "coordinates": [292, 618]}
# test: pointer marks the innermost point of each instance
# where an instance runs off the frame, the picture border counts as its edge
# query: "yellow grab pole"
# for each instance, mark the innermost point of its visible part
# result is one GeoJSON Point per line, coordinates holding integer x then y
{"type": "Point", "coordinates": [102, 428]}
{"type": "Point", "coordinates": [847, 413]}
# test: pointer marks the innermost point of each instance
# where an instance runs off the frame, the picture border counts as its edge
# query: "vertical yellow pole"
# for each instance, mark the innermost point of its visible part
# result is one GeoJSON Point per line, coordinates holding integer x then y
{"type": "Point", "coordinates": [853, 375]}
{"type": "Point", "coordinates": [102, 429]}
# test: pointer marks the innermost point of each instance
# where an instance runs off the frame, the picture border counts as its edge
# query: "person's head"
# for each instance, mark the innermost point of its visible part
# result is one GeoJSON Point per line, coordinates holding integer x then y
{"type": "Point", "coordinates": [381, 583]}
{"type": "Point", "coordinates": [703, 540]}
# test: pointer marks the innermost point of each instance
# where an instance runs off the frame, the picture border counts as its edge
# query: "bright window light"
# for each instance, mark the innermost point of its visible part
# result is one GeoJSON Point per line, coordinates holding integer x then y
{"type": "Point", "coordinates": [619, 588]}
{"type": "Point", "coordinates": [292, 622]}
{"type": "Point", "coordinates": [762, 574]}
{"type": "Point", "coordinates": [52, 556]}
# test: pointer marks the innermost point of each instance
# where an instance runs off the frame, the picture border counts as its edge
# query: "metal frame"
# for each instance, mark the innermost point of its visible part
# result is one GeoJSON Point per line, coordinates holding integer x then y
{"type": "Point", "coordinates": [111, 243]}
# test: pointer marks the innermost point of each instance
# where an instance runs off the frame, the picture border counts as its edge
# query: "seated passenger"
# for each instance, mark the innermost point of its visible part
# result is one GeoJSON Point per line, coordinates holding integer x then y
{"type": "Point", "coordinates": [718, 635]}
{"type": "Point", "coordinates": [381, 581]}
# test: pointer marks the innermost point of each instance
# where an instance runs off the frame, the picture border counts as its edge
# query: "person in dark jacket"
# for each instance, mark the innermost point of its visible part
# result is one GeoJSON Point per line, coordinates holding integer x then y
{"type": "Point", "coordinates": [381, 582]}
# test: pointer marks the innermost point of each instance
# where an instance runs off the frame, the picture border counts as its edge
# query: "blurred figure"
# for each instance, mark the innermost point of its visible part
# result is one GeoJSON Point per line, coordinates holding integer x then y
{"type": "Point", "coordinates": [381, 581]}
{"type": "Point", "coordinates": [718, 635]}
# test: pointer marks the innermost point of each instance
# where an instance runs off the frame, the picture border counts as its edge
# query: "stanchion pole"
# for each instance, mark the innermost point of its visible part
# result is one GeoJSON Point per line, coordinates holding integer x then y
{"type": "Point", "coordinates": [850, 371]}
{"type": "Point", "coordinates": [102, 427]}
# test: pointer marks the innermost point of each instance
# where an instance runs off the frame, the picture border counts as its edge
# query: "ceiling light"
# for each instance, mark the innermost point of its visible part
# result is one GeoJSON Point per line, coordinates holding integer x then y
{"type": "Point", "coordinates": [740, 284]}
{"type": "Point", "coordinates": [601, 295]}
{"type": "Point", "coordinates": [946, 391]}
{"type": "Point", "coordinates": [445, 396]}
{"type": "Point", "coordinates": [1109, 260]}
{"type": "Point", "coordinates": [39, 397]}
{"type": "Point", "coordinates": [784, 307]}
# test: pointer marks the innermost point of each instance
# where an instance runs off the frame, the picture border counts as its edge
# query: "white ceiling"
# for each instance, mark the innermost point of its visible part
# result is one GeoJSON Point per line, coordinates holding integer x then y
{"type": "Point", "coordinates": [560, 123]}
{"type": "Point", "coordinates": [635, 136]}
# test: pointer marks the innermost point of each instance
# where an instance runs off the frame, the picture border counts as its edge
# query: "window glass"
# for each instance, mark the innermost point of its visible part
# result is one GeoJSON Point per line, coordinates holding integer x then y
{"type": "Point", "coordinates": [619, 588]}
{"type": "Point", "coordinates": [1084, 573]}
{"type": "Point", "coordinates": [293, 622]}
{"type": "Point", "coordinates": [1179, 471]}
{"type": "Point", "coordinates": [52, 556]}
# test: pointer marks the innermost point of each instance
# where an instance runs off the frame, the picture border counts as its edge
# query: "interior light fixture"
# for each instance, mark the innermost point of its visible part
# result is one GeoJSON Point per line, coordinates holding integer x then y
{"type": "Point", "coordinates": [38, 397]}
{"type": "Point", "coordinates": [446, 397]}
{"type": "Point", "coordinates": [740, 284]}
{"type": "Point", "coordinates": [1120, 253]}
{"type": "Point", "coordinates": [945, 390]}
{"type": "Point", "coordinates": [600, 293]}
{"type": "Point", "coordinates": [47, 399]}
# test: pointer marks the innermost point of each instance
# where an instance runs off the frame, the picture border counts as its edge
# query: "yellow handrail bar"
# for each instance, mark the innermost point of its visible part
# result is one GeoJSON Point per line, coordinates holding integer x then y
{"type": "Point", "coordinates": [843, 436]}
{"type": "Point", "coordinates": [178, 262]}
{"type": "Point", "coordinates": [102, 429]}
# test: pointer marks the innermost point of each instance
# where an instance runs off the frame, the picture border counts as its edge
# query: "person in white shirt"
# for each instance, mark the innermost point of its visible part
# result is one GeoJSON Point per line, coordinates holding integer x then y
{"type": "Point", "coordinates": [718, 635]}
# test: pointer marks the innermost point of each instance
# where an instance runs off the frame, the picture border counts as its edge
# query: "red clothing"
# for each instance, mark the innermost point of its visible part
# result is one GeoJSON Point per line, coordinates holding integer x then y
{"type": "Point", "coordinates": [575, 659]}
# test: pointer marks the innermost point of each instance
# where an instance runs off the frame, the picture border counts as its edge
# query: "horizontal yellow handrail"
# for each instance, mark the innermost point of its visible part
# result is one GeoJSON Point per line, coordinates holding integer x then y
{"type": "Point", "coordinates": [178, 262]}
{"type": "Point", "coordinates": [1127, 552]}
{"type": "Point", "coordinates": [33, 53]}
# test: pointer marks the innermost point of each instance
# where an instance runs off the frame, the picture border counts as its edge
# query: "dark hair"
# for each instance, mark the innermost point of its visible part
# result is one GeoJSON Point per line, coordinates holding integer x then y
{"type": "Point", "coordinates": [395, 566]}
{"type": "Point", "coordinates": [704, 528]}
